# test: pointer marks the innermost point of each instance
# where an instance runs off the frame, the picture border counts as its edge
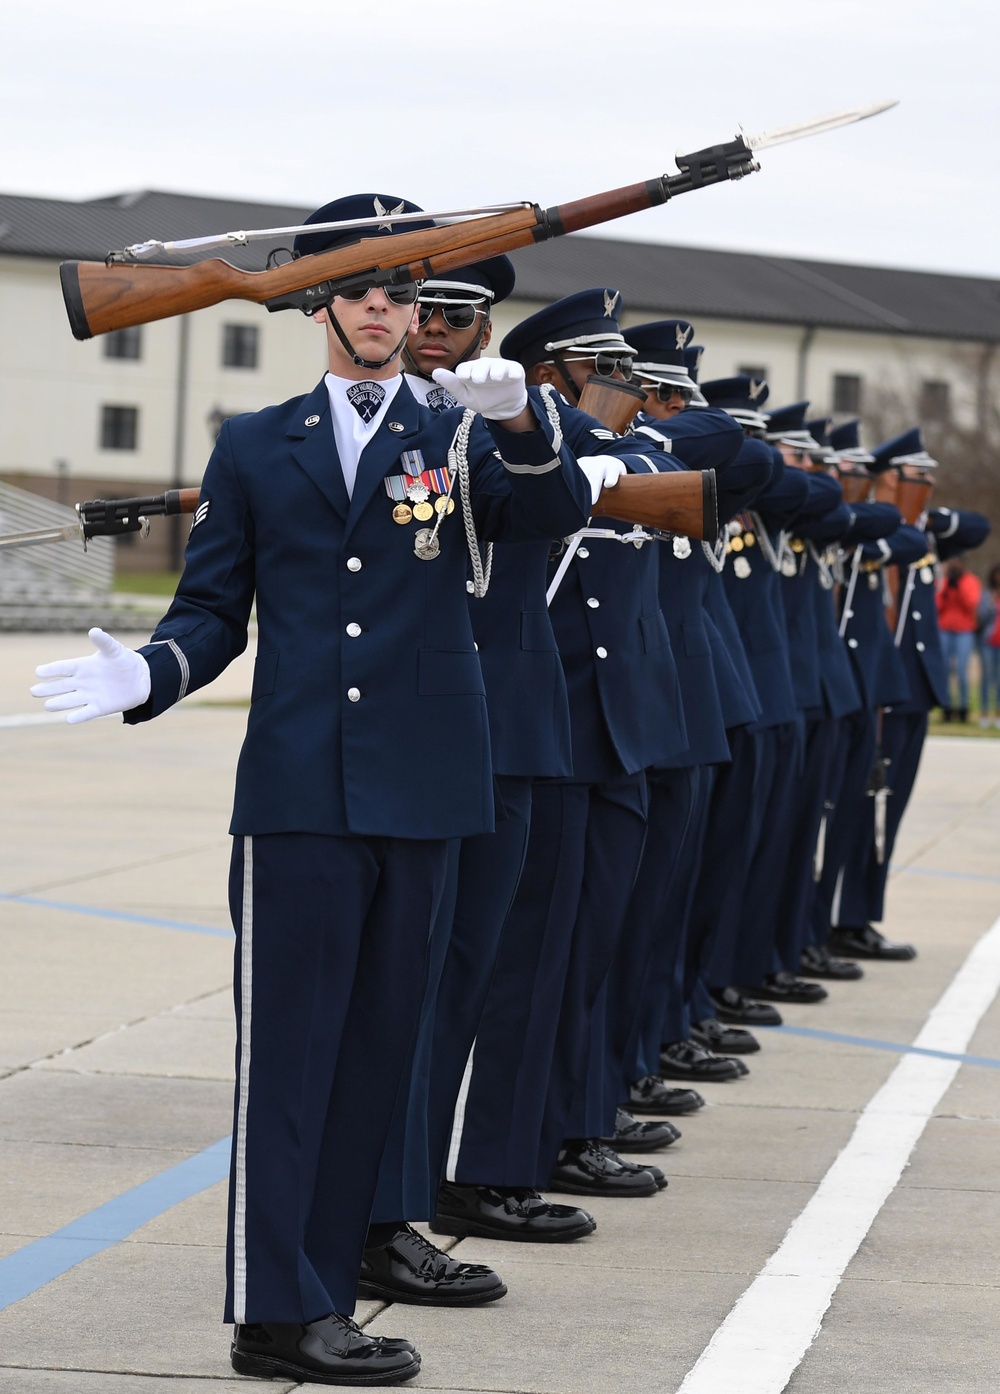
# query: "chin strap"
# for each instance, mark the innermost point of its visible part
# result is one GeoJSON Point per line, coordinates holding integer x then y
{"type": "Point", "coordinates": [571, 387]}
{"type": "Point", "coordinates": [473, 348]}
{"type": "Point", "coordinates": [355, 356]}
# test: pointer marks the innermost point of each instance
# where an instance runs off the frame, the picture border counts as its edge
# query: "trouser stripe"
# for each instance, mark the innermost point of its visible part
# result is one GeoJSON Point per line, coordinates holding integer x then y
{"type": "Point", "coordinates": [458, 1121]}
{"type": "Point", "coordinates": [243, 1087]}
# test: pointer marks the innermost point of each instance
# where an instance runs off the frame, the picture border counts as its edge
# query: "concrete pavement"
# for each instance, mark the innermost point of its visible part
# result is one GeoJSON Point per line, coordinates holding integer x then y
{"type": "Point", "coordinates": [116, 1049]}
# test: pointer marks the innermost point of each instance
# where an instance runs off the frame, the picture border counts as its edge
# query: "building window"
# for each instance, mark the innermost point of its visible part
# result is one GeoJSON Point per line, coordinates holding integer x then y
{"type": "Point", "coordinates": [752, 371]}
{"type": "Point", "coordinates": [239, 346]}
{"type": "Point", "coordinates": [935, 401]}
{"type": "Point", "coordinates": [124, 343]}
{"type": "Point", "coordinates": [119, 428]}
{"type": "Point", "coordinates": [847, 394]}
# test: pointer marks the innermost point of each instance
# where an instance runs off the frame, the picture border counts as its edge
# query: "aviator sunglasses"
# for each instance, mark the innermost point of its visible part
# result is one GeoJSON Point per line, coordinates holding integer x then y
{"type": "Point", "coordinates": [663, 391]}
{"type": "Point", "coordinates": [404, 294]}
{"type": "Point", "coordinates": [605, 364]}
{"type": "Point", "coordinates": [454, 316]}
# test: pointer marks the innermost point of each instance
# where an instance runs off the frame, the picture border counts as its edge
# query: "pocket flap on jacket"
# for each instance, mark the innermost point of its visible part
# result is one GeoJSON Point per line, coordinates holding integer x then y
{"type": "Point", "coordinates": [265, 669]}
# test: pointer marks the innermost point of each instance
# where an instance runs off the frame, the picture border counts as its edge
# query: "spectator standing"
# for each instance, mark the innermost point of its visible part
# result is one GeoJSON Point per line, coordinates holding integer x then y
{"type": "Point", "coordinates": [957, 601]}
{"type": "Point", "coordinates": [988, 645]}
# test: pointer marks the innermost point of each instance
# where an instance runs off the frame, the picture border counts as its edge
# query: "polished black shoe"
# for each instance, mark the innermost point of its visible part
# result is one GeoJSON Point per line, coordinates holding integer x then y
{"type": "Point", "coordinates": [651, 1095]}
{"type": "Point", "coordinates": [867, 942]}
{"type": "Point", "coordinates": [409, 1268]}
{"type": "Point", "coordinates": [732, 1007]}
{"type": "Point", "coordinates": [330, 1351]}
{"type": "Point", "coordinates": [786, 987]}
{"type": "Point", "coordinates": [507, 1212]}
{"type": "Point", "coordinates": [688, 1060]}
{"type": "Point", "coordinates": [819, 963]}
{"type": "Point", "coordinates": [632, 1136]}
{"type": "Point", "coordinates": [714, 1035]}
{"type": "Point", "coordinates": [587, 1168]}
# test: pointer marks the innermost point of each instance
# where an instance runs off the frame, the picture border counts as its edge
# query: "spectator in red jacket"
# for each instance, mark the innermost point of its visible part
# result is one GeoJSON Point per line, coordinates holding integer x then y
{"type": "Point", "coordinates": [957, 601]}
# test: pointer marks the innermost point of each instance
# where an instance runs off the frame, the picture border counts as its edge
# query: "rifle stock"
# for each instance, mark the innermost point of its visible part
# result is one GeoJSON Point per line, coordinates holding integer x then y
{"type": "Point", "coordinates": [116, 294]}
{"type": "Point", "coordinates": [612, 402]}
{"type": "Point", "coordinates": [684, 501]}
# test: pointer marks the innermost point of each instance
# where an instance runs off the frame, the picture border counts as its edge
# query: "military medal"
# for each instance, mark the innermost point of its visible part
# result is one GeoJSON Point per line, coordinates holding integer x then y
{"type": "Point", "coordinates": [926, 575]}
{"type": "Point", "coordinates": [749, 539]}
{"type": "Point", "coordinates": [423, 511]}
{"type": "Point", "coordinates": [872, 581]}
{"type": "Point", "coordinates": [736, 544]}
{"type": "Point", "coordinates": [682, 548]}
{"type": "Point", "coordinates": [788, 566]}
{"type": "Point", "coordinates": [418, 492]}
{"type": "Point", "coordinates": [425, 544]}
{"type": "Point", "coordinates": [444, 505]}
{"type": "Point", "coordinates": [402, 513]}
{"type": "Point", "coordinates": [741, 567]}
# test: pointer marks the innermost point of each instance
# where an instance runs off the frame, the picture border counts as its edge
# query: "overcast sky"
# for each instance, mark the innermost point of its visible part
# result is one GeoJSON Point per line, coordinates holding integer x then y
{"type": "Point", "coordinates": [453, 102]}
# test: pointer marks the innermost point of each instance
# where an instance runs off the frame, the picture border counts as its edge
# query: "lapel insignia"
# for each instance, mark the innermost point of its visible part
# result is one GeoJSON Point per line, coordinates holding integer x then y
{"type": "Point", "coordinates": [610, 301]}
{"type": "Point", "coordinates": [395, 426]}
{"type": "Point", "coordinates": [312, 421]}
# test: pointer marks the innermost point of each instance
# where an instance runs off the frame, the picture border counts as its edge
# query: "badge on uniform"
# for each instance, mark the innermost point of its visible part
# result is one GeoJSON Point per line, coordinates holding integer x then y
{"type": "Point", "coordinates": [741, 568]}
{"type": "Point", "coordinates": [789, 566]}
{"type": "Point", "coordinates": [926, 575]}
{"type": "Point", "coordinates": [200, 513]}
{"type": "Point", "coordinates": [366, 398]}
{"type": "Point", "coordinates": [440, 399]}
{"type": "Point", "coordinates": [682, 548]}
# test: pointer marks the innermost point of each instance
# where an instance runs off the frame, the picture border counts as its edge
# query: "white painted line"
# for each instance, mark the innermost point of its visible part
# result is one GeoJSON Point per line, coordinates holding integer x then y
{"type": "Point", "coordinates": [764, 1338]}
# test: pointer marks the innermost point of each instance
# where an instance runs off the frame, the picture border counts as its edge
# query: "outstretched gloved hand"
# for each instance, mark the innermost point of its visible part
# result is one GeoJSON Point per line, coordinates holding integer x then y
{"type": "Point", "coordinates": [114, 679]}
{"type": "Point", "coordinates": [603, 472]}
{"type": "Point", "coordinates": [493, 387]}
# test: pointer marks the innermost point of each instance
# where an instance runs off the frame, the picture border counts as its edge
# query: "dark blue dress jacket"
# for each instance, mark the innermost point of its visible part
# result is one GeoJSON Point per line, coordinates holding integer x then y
{"type": "Point", "coordinates": [368, 711]}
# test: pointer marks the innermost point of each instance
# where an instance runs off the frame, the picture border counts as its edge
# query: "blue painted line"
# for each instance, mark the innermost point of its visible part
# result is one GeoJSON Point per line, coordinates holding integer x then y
{"type": "Point", "coordinates": [836, 1036]}
{"type": "Point", "coordinates": [104, 914]}
{"type": "Point", "coordinates": [26, 1270]}
{"type": "Point", "coordinates": [949, 875]}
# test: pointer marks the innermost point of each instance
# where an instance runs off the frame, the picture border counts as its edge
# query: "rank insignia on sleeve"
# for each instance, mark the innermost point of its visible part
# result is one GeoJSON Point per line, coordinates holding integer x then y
{"type": "Point", "coordinates": [201, 513]}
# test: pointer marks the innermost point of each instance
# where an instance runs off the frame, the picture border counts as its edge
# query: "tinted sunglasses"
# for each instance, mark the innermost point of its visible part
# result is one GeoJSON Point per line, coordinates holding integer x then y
{"type": "Point", "coordinates": [455, 316]}
{"type": "Point", "coordinates": [605, 364]}
{"type": "Point", "coordinates": [404, 294]}
{"type": "Point", "coordinates": [663, 391]}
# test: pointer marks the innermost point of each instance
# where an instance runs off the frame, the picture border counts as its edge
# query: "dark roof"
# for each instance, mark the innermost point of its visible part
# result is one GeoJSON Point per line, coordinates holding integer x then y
{"type": "Point", "coordinates": [688, 281]}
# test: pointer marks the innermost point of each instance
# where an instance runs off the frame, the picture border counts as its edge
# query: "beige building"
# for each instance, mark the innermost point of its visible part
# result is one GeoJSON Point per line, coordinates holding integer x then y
{"type": "Point", "coordinates": [138, 410]}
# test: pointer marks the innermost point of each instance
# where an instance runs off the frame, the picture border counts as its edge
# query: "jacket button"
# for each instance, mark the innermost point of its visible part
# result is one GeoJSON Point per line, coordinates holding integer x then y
{"type": "Point", "coordinates": [582, 552]}
{"type": "Point", "coordinates": [354, 694]}
{"type": "Point", "coordinates": [848, 614]}
{"type": "Point", "coordinates": [920, 646]}
{"type": "Point", "coordinates": [354, 563]}
{"type": "Point", "coordinates": [916, 614]}
{"type": "Point", "coordinates": [353, 629]}
{"type": "Point", "coordinates": [602, 652]}
{"type": "Point", "coordinates": [594, 603]}
{"type": "Point", "coordinates": [852, 643]}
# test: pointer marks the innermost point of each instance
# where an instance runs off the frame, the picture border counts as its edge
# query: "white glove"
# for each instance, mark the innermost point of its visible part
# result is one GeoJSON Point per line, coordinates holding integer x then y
{"type": "Point", "coordinates": [493, 387]}
{"type": "Point", "coordinates": [603, 471]}
{"type": "Point", "coordinates": [114, 679]}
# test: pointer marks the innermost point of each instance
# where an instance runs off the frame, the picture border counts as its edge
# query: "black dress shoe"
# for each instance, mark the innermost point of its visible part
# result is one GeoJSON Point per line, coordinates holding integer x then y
{"type": "Point", "coordinates": [651, 1095]}
{"type": "Point", "coordinates": [507, 1212]}
{"type": "Point", "coordinates": [785, 987]}
{"type": "Point", "coordinates": [688, 1060]}
{"type": "Point", "coordinates": [819, 963]}
{"type": "Point", "coordinates": [409, 1268]}
{"type": "Point", "coordinates": [632, 1136]}
{"type": "Point", "coordinates": [867, 942]}
{"type": "Point", "coordinates": [731, 1006]}
{"type": "Point", "coordinates": [723, 1040]}
{"type": "Point", "coordinates": [586, 1168]}
{"type": "Point", "coordinates": [330, 1351]}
